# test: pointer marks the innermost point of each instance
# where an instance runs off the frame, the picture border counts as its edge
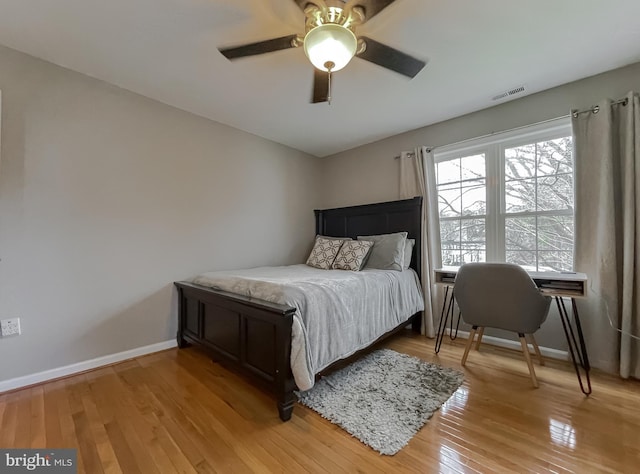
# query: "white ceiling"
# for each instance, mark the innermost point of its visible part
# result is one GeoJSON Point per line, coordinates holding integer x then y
{"type": "Point", "coordinates": [167, 50]}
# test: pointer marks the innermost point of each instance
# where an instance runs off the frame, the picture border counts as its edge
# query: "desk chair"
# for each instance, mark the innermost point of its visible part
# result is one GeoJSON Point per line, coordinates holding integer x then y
{"type": "Point", "coordinates": [503, 296]}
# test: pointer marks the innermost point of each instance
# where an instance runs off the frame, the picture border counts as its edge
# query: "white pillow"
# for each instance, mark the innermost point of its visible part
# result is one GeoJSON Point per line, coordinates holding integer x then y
{"type": "Point", "coordinates": [408, 252]}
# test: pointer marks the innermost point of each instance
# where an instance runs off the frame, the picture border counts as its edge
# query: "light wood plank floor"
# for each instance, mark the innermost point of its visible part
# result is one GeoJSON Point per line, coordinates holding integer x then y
{"type": "Point", "coordinates": [176, 411]}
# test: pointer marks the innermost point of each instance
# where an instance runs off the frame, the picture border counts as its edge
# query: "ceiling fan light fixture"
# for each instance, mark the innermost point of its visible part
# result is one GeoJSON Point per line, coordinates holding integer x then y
{"type": "Point", "coordinates": [330, 46]}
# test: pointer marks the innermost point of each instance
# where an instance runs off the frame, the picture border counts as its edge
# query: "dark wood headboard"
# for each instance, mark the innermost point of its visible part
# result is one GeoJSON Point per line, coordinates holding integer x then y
{"type": "Point", "coordinates": [373, 219]}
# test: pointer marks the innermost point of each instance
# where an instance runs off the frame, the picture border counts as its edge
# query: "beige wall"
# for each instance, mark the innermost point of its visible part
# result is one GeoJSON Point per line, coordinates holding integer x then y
{"type": "Point", "coordinates": [107, 197]}
{"type": "Point", "coordinates": [370, 174]}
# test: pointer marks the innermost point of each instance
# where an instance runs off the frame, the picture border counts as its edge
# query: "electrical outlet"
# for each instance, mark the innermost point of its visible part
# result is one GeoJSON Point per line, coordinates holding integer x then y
{"type": "Point", "coordinates": [10, 327]}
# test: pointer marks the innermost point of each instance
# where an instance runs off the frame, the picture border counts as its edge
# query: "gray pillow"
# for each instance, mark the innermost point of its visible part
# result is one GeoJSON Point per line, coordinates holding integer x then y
{"type": "Point", "coordinates": [387, 252]}
{"type": "Point", "coordinates": [408, 251]}
{"type": "Point", "coordinates": [333, 238]}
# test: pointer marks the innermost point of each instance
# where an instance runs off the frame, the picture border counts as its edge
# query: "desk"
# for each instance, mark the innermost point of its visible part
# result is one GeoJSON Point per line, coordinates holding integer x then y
{"type": "Point", "coordinates": [558, 285]}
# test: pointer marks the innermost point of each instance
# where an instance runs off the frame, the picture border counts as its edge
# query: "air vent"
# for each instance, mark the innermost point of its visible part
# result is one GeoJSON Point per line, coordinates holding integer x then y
{"type": "Point", "coordinates": [509, 93]}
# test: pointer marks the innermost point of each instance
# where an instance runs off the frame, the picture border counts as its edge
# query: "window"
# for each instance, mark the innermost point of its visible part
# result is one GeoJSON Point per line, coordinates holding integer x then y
{"type": "Point", "coordinates": [462, 202]}
{"type": "Point", "coordinates": [509, 198]}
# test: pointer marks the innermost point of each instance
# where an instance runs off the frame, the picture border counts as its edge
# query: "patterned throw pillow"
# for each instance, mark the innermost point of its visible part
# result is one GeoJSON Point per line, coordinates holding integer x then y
{"type": "Point", "coordinates": [352, 255]}
{"type": "Point", "coordinates": [324, 252]}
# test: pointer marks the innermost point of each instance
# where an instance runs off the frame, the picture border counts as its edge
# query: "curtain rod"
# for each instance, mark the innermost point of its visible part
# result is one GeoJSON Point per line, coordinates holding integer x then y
{"type": "Point", "coordinates": [409, 155]}
{"type": "Point", "coordinates": [431, 148]}
{"type": "Point", "coordinates": [596, 108]}
{"type": "Point", "coordinates": [412, 154]}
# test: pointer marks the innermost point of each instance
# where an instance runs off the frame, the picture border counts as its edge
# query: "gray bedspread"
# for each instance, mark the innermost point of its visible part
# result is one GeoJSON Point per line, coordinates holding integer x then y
{"type": "Point", "coordinates": [338, 312]}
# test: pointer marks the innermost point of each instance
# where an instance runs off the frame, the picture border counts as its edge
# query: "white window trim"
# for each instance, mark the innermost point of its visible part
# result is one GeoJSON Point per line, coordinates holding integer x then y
{"type": "Point", "coordinates": [551, 127]}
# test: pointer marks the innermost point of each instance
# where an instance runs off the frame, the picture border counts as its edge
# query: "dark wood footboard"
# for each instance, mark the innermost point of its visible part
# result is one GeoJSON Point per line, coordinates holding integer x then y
{"type": "Point", "coordinates": [252, 335]}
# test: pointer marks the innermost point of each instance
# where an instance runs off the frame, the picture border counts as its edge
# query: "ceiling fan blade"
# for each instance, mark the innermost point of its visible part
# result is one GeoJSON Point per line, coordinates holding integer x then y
{"type": "Point", "coordinates": [304, 3]}
{"type": "Point", "coordinates": [320, 86]}
{"type": "Point", "coordinates": [371, 7]}
{"type": "Point", "coordinates": [390, 58]}
{"type": "Point", "coordinates": [260, 47]}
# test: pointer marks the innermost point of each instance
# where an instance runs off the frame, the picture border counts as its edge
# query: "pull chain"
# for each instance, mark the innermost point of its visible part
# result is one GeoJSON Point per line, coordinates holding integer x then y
{"type": "Point", "coordinates": [329, 65]}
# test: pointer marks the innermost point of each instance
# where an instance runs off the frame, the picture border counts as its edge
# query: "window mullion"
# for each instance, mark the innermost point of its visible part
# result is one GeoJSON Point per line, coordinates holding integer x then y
{"type": "Point", "coordinates": [535, 173]}
{"type": "Point", "coordinates": [493, 236]}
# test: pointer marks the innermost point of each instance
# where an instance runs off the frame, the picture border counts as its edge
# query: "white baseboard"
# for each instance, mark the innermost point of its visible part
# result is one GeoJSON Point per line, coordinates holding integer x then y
{"type": "Point", "coordinates": [26, 380]}
{"type": "Point", "coordinates": [39, 377]}
{"type": "Point", "coordinates": [508, 344]}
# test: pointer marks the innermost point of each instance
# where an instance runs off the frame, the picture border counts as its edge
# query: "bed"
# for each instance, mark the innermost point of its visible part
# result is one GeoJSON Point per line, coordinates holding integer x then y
{"type": "Point", "coordinates": [254, 335]}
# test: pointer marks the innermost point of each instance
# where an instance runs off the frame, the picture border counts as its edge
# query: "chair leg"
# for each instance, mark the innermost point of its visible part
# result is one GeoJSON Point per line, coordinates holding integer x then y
{"type": "Point", "coordinates": [472, 335]}
{"type": "Point", "coordinates": [536, 349]}
{"type": "Point", "coordinates": [527, 356]}
{"type": "Point", "coordinates": [480, 334]}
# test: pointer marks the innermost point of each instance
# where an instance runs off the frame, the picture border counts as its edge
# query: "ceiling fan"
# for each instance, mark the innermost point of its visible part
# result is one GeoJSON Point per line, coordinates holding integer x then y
{"type": "Point", "coordinates": [330, 42]}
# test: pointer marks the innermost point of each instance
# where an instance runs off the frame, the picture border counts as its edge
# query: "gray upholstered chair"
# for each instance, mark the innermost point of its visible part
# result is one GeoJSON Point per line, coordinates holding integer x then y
{"type": "Point", "coordinates": [503, 296]}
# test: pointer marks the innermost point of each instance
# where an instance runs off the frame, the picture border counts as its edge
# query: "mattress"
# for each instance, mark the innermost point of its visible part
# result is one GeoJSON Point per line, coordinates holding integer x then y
{"type": "Point", "coordinates": [337, 312]}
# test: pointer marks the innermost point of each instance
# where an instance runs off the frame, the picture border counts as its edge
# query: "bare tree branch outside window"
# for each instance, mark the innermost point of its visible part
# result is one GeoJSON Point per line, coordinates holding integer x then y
{"type": "Point", "coordinates": [537, 199]}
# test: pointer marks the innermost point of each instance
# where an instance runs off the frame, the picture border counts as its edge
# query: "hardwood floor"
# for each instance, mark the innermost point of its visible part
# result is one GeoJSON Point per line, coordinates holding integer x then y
{"type": "Point", "coordinates": [176, 411]}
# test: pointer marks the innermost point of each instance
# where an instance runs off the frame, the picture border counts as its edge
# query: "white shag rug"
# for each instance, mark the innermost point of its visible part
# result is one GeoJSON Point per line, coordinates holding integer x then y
{"type": "Point", "coordinates": [384, 398]}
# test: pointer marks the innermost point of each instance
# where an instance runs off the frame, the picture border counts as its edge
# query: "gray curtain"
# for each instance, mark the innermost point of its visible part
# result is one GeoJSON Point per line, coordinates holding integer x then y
{"type": "Point", "coordinates": [607, 231]}
{"type": "Point", "coordinates": [417, 178]}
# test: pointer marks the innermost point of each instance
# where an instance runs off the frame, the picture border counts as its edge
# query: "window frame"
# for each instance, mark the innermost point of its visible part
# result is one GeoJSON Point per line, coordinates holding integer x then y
{"type": "Point", "coordinates": [493, 147]}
